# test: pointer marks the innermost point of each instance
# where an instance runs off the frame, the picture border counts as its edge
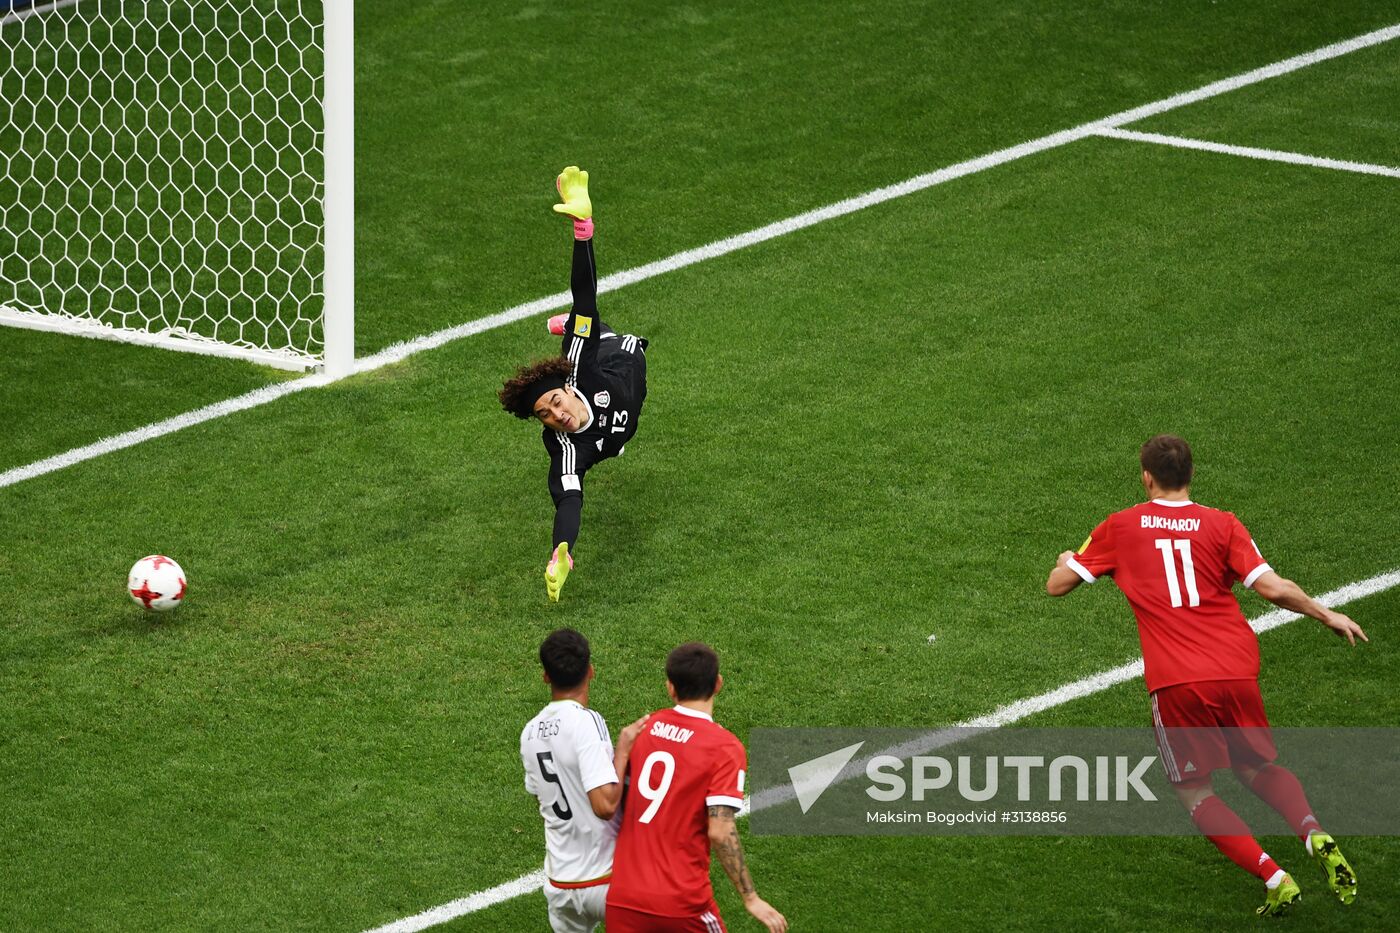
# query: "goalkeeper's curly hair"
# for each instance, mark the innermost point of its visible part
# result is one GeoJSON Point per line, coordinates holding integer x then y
{"type": "Point", "coordinates": [513, 393]}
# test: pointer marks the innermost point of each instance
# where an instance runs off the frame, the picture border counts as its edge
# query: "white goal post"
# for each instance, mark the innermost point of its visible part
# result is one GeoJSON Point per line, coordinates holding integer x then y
{"type": "Point", "coordinates": [180, 174]}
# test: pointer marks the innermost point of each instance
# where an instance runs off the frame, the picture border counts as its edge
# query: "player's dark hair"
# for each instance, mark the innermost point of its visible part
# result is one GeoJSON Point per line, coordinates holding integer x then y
{"type": "Point", "coordinates": [1168, 458]}
{"type": "Point", "coordinates": [564, 655]}
{"type": "Point", "coordinates": [518, 395]}
{"type": "Point", "coordinates": [693, 669]}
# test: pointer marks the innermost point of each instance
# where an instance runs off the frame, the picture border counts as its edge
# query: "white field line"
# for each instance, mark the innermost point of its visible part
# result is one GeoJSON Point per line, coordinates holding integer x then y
{"type": "Point", "coordinates": [1249, 152]}
{"type": "Point", "coordinates": [525, 884]}
{"type": "Point", "coordinates": [713, 250]}
{"type": "Point", "coordinates": [160, 428]}
{"type": "Point", "coordinates": [1001, 716]}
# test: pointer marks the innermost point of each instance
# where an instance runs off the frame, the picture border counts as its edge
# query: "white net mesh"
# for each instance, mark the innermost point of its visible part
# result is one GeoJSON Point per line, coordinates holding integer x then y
{"type": "Point", "coordinates": [162, 170]}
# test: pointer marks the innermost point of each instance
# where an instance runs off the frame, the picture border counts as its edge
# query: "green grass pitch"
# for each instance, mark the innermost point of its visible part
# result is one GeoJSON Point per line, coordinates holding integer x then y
{"type": "Point", "coordinates": [858, 435]}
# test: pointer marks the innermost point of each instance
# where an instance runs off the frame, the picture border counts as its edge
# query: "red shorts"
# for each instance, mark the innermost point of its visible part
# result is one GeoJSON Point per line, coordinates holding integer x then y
{"type": "Point", "coordinates": [1211, 724]}
{"type": "Point", "coordinates": [626, 920]}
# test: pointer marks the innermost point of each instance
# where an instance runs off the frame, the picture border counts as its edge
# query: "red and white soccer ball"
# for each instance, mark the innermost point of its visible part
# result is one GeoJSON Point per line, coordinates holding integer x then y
{"type": "Point", "coordinates": [156, 583]}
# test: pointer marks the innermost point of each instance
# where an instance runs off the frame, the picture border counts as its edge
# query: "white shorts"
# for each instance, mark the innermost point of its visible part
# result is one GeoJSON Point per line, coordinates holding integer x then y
{"type": "Point", "coordinates": [575, 910]}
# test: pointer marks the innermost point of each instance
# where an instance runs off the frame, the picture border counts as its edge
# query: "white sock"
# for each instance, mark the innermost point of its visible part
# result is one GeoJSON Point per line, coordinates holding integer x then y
{"type": "Point", "coordinates": [1276, 880]}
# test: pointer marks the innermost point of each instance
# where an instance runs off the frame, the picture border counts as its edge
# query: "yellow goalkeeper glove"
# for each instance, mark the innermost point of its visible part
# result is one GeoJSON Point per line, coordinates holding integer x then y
{"type": "Point", "coordinates": [573, 189]}
{"type": "Point", "coordinates": [557, 571]}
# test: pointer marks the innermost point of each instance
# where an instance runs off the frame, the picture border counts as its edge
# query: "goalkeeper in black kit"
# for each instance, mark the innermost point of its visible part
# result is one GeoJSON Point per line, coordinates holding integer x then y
{"type": "Point", "coordinates": [589, 398]}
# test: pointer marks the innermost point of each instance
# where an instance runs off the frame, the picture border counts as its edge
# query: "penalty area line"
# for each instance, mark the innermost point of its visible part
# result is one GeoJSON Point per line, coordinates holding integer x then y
{"type": "Point", "coordinates": [1250, 152]}
{"type": "Point", "coordinates": [401, 351]}
{"type": "Point", "coordinates": [999, 717]}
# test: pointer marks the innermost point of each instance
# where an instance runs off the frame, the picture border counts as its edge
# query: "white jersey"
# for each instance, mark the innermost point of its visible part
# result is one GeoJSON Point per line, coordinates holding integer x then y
{"type": "Point", "coordinates": [566, 752]}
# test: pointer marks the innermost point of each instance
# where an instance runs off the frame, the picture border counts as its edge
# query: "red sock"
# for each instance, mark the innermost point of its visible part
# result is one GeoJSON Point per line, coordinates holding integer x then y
{"type": "Point", "coordinates": [1279, 788]}
{"type": "Point", "coordinates": [1223, 826]}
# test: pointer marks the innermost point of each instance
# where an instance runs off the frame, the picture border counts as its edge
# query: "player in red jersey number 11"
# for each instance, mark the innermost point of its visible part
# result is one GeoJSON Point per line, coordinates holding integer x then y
{"type": "Point", "coordinates": [1177, 562]}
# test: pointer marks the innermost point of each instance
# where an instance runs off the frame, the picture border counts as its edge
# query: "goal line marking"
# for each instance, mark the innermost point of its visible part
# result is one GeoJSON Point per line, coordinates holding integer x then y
{"type": "Point", "coordinates": [402, 351]}
{"type": "Point", "coordinates": [1249, 152]}
{"type": "Point", "coordinates": [1001, 716]}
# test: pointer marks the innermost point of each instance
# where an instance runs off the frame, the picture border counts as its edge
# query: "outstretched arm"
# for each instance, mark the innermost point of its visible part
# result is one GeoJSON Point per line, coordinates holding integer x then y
{"type": "Point", "coordinates": [566, 489]}
{"type": "Point", "coordinates": [1062, 579]}
{"type": "Point", "coordinates": [725, 845]}
{"type": "Point", "coordinates": [1286, 594]}
{"type": "Point", "coordinates": [583, 277]}
{"type": "Point", "coordinates": [568, 510]}
{"type": "Point", "coordinates": [568, 516]}
{"type": "Point", "coordinates": [1098, 555]}
{"type": "Point", "coordinates": [581, 326]}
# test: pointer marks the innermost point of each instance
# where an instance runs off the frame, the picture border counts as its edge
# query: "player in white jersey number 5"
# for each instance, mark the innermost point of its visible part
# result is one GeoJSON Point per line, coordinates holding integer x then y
{"type": "Point", "coordinates": [572, 769]}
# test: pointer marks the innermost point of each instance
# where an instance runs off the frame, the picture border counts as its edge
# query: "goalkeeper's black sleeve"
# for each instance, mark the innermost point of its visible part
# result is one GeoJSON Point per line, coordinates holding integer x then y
{"type": "Point", "coordinates": [583, 278]}
{"type": "Point", "coordinates": [567, 464]}
{"type": "Point", "coordinates": [568, 513]}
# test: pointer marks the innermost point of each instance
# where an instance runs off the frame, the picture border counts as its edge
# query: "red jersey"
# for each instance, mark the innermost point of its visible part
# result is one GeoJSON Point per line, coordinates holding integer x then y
{"type": "Point", "coordinates": [1177, 562]}
{"type": "Point", "coordinates": [681, 763]}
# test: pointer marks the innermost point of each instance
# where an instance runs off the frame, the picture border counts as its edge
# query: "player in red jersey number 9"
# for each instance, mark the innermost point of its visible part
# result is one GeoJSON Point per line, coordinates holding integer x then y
{"type": "Point", "coordinates": [687, 786]}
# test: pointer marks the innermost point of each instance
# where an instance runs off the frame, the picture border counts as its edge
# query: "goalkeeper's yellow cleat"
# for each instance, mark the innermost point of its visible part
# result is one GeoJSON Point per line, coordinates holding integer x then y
{"type": "Point", "coordinates": [1340, 878]}
{"type": "Point", "coordinates": [1282, 899]}
{"type": "Point", "coordinates": [573, 188]}
{"type": "Point", "coordinates": [560, 563]}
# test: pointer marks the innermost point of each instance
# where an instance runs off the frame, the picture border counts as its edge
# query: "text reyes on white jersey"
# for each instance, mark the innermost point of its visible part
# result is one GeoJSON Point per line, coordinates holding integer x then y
{"type": "Point", "coordinates": [547, 728]}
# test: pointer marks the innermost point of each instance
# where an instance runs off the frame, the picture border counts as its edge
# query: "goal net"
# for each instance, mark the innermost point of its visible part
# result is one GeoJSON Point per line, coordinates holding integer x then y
{"type": "Point", "coordinates": [180, 173]}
